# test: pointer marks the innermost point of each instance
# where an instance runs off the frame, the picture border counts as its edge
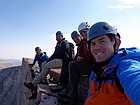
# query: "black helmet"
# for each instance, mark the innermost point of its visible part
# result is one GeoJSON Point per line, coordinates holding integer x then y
{"type": "Point", "coordinates": [59, 33]}
{"type": "Point", "coordinates": [37, 49]}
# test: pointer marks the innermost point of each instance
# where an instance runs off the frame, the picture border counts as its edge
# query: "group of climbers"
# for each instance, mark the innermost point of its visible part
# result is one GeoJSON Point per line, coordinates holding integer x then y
{"type": "Point", "coordinates": [62, 50]}
{"type": "Point", "coordinates": [55, 60]}
{"type": "Point", "coordinates": [114, 73]}
{"type": "Point", "coordinates": [80, 65]}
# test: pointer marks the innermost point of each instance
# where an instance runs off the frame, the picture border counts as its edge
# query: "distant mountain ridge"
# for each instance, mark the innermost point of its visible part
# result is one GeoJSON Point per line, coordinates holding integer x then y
{"type": "Point", "coordinates": [5, 63]}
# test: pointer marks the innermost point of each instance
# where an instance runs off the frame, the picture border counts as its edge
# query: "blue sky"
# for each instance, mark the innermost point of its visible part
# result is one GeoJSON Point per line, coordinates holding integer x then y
{"type": "Point", "coordinates": [25, 24]}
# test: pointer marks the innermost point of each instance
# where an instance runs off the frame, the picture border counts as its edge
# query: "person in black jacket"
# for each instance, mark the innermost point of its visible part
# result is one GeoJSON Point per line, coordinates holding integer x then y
{"type": "Point", "coordinates": [56, 60]}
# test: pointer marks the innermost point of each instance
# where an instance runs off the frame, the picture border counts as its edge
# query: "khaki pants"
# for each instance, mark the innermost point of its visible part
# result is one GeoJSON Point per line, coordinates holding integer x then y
{"type": "Point", "coordinates": [45, 70]}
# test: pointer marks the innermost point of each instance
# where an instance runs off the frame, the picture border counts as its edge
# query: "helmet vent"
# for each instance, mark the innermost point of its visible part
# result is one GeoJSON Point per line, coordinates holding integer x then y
{"type": "Point", "coordinates": [106, 27]}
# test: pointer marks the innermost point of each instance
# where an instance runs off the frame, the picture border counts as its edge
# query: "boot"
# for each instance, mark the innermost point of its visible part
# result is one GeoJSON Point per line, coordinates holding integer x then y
{"type": "Point", "coordinates": [34, 95]}
{"type": "Point", "coordinates": [30, 86]}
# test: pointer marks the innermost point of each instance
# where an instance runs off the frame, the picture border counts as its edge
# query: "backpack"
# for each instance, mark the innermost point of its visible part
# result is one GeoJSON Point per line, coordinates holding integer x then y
{"type": "Point", "coordinates": [71, 51]}
{"type": "Point", "coordinates": [44, 57]}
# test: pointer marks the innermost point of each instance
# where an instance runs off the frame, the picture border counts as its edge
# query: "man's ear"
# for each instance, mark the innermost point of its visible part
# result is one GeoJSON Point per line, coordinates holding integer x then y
{"type": "Point", "coordinates": [118, 42]}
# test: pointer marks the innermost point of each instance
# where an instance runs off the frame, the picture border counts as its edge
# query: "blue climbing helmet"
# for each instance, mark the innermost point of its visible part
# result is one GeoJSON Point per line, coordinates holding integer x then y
{"type": "Point", "coordinates": [74, 34]}
{"type": "Point", "coordinates": [37, 49]}
{"type": "Point", "coordinates": [99, 29]}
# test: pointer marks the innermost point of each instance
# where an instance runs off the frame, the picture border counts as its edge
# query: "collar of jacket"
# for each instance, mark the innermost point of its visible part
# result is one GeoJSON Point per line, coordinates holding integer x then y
{"type": "Point", "coordinates": [60, 41]}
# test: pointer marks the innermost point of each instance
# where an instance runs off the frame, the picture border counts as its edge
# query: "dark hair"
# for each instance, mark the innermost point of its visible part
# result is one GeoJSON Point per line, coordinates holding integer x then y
{"type": "Point", "coordinates": [111, 37]}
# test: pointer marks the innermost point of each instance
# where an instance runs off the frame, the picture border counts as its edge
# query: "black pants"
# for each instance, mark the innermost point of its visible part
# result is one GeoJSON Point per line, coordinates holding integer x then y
{"type": "Point", "coordinates": [64, 76]}
{"type": "Point", "coordinates": [76, 70]}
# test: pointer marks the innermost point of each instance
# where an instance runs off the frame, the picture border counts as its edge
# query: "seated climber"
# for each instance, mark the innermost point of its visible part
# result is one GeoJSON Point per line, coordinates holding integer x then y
{"type": "Point", "coordinates": [61, 52]}
{"type": "Point", "coordinates": [80, 66]}
{"type": "Point", "coordinates": [40, 57]}
{"type": "Point", "coordinates": [64, 76]}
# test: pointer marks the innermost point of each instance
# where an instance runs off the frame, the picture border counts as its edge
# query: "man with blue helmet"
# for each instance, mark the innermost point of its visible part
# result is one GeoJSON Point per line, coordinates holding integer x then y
{"type": "Point", "coordinates": [116, 73]}
{"type": "Point", "coordinates": [64, 76]}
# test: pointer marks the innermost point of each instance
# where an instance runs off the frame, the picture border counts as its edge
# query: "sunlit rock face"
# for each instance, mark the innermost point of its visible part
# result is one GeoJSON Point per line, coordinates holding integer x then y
{"type": "Point", "coordinates": [12, 76]}
{"type": "Point", "coordinates": [13, 92]}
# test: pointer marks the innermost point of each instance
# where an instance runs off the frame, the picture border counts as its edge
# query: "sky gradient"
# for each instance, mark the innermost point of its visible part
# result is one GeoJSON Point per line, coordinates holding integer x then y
{"type": "Point", "coordinates": [25, 24]}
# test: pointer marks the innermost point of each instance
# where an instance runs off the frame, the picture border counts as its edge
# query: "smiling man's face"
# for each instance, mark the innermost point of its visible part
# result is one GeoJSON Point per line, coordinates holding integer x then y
{"type": "Point", "coordinates": [102, 48]}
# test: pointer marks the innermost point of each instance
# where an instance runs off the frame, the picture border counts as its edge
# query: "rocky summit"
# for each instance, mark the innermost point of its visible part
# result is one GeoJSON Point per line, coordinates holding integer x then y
{"type": "Point", "coordinates": [13, 91]}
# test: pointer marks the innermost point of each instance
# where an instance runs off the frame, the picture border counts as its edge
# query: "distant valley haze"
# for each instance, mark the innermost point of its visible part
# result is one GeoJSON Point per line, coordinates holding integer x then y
{"type": "Point", "coordinates": [5, 63]}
